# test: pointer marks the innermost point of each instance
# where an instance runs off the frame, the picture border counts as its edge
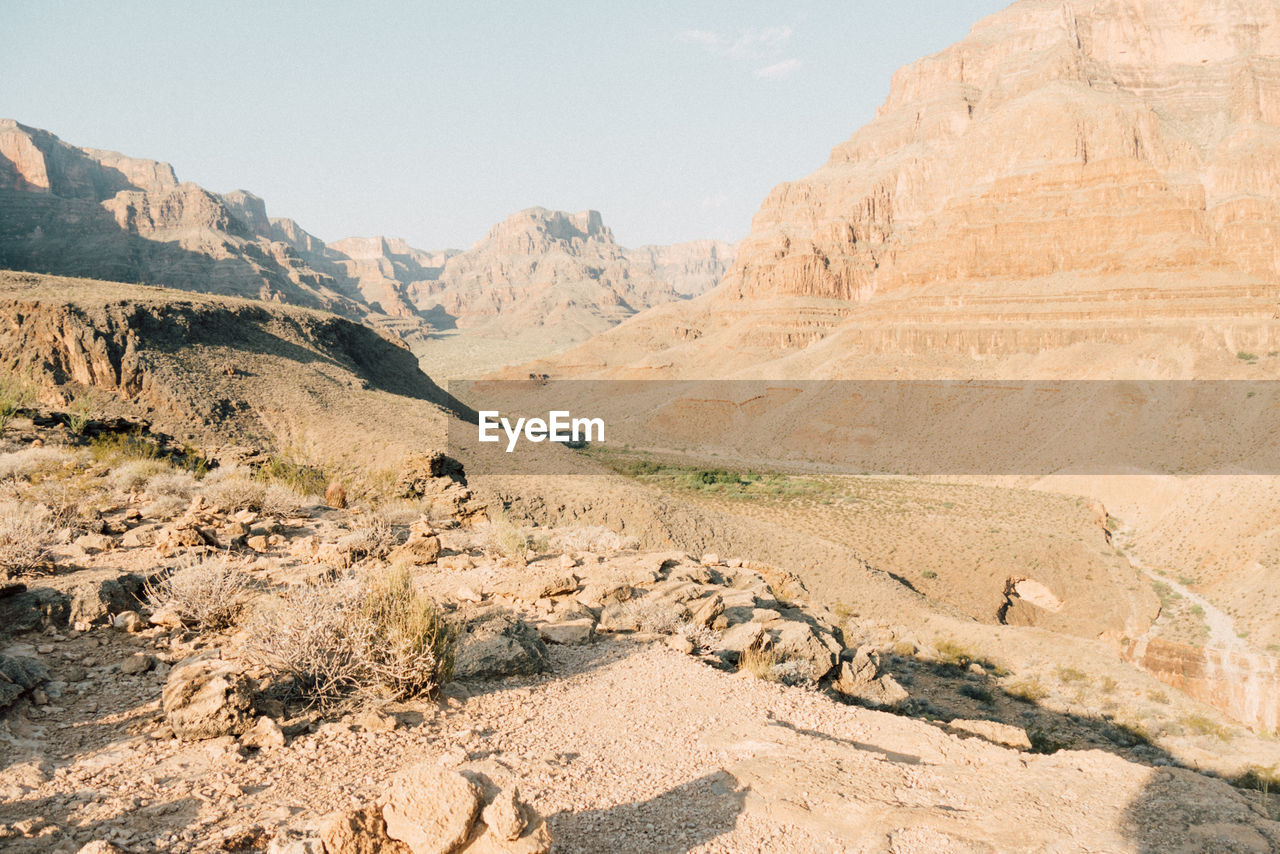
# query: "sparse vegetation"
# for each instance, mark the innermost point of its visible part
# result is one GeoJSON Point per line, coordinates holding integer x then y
{"type": "Point", "coordinates": [505, 538]}
{"type": "Point", "coordinates": [210, 593]}
{"type": "Point", "coordinates": [356, 639]}
{"type": "Point", "coordinates": [301, 478]}
{"type": "Point", "coordinates": [1070, 675]}
{"type": "Point", "coordinates": [26, 530]}
{"type": "Point", "coordinates": [1028, 690]}
{"type": "Point", "coordinates": [17, 392]}
{"type": "Point", "coordinates": [952, 653]}
{"type": "Point", "coordinates": [1201, 725]}
{"type": "Point", "coordinates": [80, 413]}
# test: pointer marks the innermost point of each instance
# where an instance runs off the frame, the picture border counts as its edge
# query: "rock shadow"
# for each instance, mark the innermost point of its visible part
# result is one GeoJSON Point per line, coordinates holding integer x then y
{"type": "Point", "coordinates": [677, 820]}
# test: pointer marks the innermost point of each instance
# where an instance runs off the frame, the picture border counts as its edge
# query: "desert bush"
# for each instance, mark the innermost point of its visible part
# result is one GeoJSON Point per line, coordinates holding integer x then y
{"type": "Point", "coordinates": [211, 592]}
{"type": "Point", "coordinates": [26, 530]}
{"type": "Point", "coordinates": [373, 537]}
{"type": "Point", "coordinates": [281, 500]}
{"type": "Point", "coordinates": [702, 638]}
{"type": "Point", "coordinates": [772, 666]}
{"type": "Point", "coordinates": [31, 462]}
{"type": "Point", "coordinates": [233, 490]}
{"type": "Point", "coordinates": [651, 614]}
{"type": "Point", "coordinates": [353, 639]}
{"type": "Point", "coordinates": [596, 540]}
{"type": "Point", "coordinates": [301, 478]}
{"type": "Point", "coordinates": [16, 392]}
{"type": "Point", "coordinates": [1201, 725]}
{"type": "Point", "coordinates": [1027, 690]}
{"type": "Point", "coordinates": [133, 475]}
{"type": "Point", "coordinates": [505, 538]}
{"type": "Point", "coordinates": [974, 691]}
{"type": "Point", "coordinates": [1067, 675]}
{"type": "Point", "coordinates": [172, 483]}
{"type": "Point", "coordinates": [950, 652]}
{"type": "Point", "coordinates": [73, 502]}
{"type": "Point", "coordinates": [80, 413]}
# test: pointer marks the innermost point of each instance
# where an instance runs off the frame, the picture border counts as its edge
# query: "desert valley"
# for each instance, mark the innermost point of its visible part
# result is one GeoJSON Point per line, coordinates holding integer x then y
{"type": "Point", "coordinates": [939, 514]}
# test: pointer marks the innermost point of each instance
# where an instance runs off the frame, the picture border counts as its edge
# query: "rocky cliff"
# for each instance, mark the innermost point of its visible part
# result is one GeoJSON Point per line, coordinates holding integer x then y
{"type": "Point", "coordinates": [85, 212]}
{"type": "Point", "coordinates": [1089, 171]}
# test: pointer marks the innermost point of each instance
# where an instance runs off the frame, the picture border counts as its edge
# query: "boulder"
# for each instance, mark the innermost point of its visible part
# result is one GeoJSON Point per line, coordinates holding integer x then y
{"type": "Point", "coordinates": [97, 600]}
{"type": "Point", "coordinates": [359, 831]}
{"type": "Point", "coordinates": [568, 632]}
{"type": "Point", "coordinates": [422, 547]}
{"type": "Point", "coordinates": [19, 675]}
{"type": "Point", "coordinates": [795, 640]}
{"type": "Point", "coordinates": [499, 644]}
{"type": "Point", "coordinates": [265, 733]}
{"type": "Point", "coordinates": [430, 809]}
{"type": "Point", "coordinates": [137, 664]}
{"type": "Point", "coordinates": [704, 612]}
{"type": "Point", "coordinates": [207, 698]}
{"type": "Point", "coordinates": [860, 679]}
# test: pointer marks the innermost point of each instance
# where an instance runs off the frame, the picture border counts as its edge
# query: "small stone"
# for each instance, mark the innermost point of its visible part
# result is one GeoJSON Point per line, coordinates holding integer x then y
{"type": "Point", "coordinates": [466, 594]}
{"type": "Point", "coordinates": [99, 846]}
{"type": "Point", "coordinates": [680, 644]}
{"type": "Point", "coordinates": [258, 543]}
{"type": "Point", "coordinates": [711, 559]}
{"type": "Point", "coordinates": [264, 733]}
{"type": "Point", "coordinates": [128, 621]}
{"type": "Point", "coordinates": [375, 721]}
{"type": "Point", "coordinates": [136, 664]}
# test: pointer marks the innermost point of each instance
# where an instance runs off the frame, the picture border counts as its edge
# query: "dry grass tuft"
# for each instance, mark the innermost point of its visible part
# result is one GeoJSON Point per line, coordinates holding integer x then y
{"type": "Point", "coordinates": [356, 639]}
{"type": "Point", "coordinates": [26, 530]}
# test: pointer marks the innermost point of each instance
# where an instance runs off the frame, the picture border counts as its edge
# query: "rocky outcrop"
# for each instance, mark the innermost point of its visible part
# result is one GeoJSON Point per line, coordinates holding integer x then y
{"type": "Point", "coordinates": [207, 698]}
{"type": "Point", "coordinates": [1071, 173]}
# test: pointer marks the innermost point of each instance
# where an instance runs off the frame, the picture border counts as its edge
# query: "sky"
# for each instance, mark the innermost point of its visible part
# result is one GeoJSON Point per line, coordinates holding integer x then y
{"type": "Point", "coordinates": [434, 121]}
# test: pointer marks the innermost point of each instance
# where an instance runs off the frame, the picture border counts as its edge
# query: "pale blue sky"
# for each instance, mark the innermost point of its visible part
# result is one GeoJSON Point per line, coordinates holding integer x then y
{"type": "Point", "coordinates": [433, 121]}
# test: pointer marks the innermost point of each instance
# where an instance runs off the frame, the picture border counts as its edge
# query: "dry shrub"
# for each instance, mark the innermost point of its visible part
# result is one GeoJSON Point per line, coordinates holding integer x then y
{"type": "Point", "coordinates": [355, 639]}
{"type": "Point", "coordinates": [703, 639]}
{"type": "Point", "coordinates": [73, 503]}
{"type": "Point", "coordinates": [772, 666]}
{"type": "Point", "coordinates": [26, 530]}
{"type": "Point", "coordinates": [658, 616]}
{"type": "Point", "coordinates": [233, 491]}
{"type": "Point", "coordinates": [504, 537]}
{"type": "Point", "coordinates": [133, 475]}
{"type": "Point", "coordinates": [30, 462]}
{"type": "Point", "coordinates": [210, 593]}
{"type": "Point", "coordinates": [595, 540]}
{"type": "Point", "coordinates": [173, 483]}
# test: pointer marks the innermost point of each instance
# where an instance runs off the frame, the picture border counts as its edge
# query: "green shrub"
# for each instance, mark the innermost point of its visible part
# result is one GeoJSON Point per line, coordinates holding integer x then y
{"type": "Point", "coordinates": [300, 477]}
{"type": "Point", "coordinates": [16, 393]}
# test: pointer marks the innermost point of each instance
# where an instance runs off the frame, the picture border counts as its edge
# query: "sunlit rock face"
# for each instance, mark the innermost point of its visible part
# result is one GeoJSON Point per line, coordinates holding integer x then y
{"type": "Point", "coordinates": [1092, 136]}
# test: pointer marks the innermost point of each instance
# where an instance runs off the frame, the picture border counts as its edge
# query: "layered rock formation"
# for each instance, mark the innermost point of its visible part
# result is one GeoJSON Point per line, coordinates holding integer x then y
{"type": "Point", "coordinates": [80, 211]}
{"type": "Point", "coordinates": [538, 268]}
{"type": "Point", "coordinates": [1071, 172]}
{"type": "Point", "coordinates": [85, 212]}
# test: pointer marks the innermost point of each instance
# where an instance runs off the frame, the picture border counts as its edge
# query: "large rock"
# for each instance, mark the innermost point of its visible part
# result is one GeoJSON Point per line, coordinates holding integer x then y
{"type": "Point", "coordinates": [19, 675]}
{"type": "Point", "coordinates": [96, 600]}
{"type": "Point", "coordinates": [499, 644]}
{"type": "Point", "coordinates": [359, 831]}
{"type": "Point", "coordinates": [430, 809]}
{"type": "Point", "coordinates": [207, 698]}
{"type": "Point", "coordinates": [795, 640]}
{"type": "Point", "coordinates": [860, 679]}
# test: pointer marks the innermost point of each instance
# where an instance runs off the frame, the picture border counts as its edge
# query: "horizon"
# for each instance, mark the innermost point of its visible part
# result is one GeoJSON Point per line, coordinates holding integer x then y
{"type": "Point", "coordinates": [461, 121]}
